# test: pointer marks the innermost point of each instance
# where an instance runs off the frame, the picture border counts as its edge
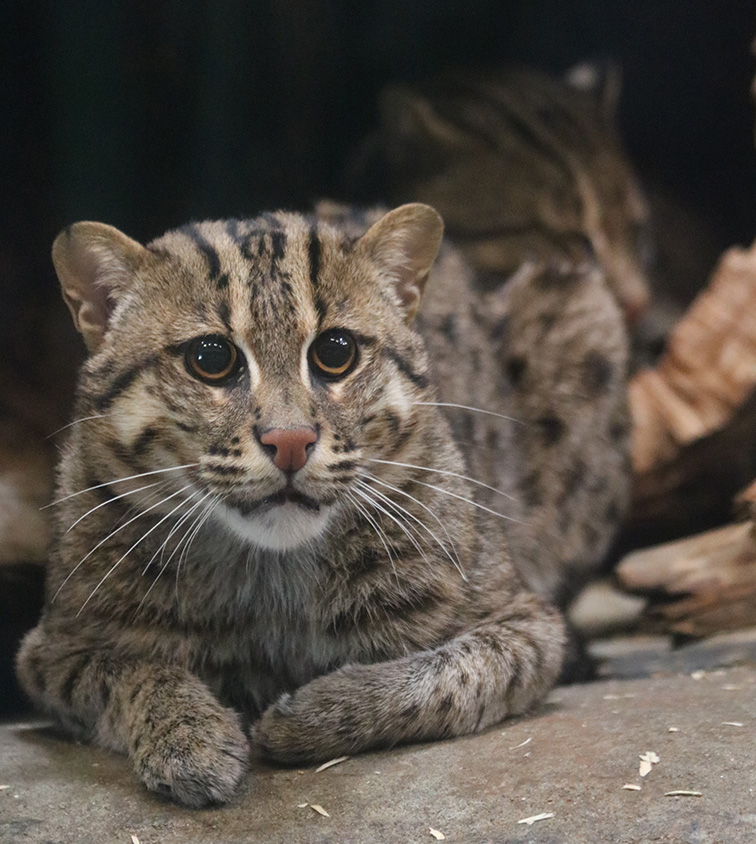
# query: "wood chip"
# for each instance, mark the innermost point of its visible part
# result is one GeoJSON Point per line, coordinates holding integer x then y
{"type": "Point", "coordinates": [4, 787]}
{"type": "Point", "coordinates": [330, 764]}
{"type": "Point", "coordinates": [134, 839]}
{"type": "Point", "coordinates": [730, 688]}
{"type": "Point", "coordinates": [439, 836]}
{"type": "Point", "coordinates": [673, 729]}
{"type": "Point", "coordinates": [319, 809]}
{"type": "Point", "coordinates": [629, 786]}
{"type": "Point", "coordinates": [698, 675]}
{"type": "Point", "coordinates": [617, 697]}
{"type": "Point", "coordinates": [733, 724]}
{"type": "Point", "coordinates": [647, 761]}
{"type": "Point", "coordinates": [542, 817]}
{"type": "Point", "coordinates": [522, 743]}
{"type": "Point", "coordinates": [302, 805]}
{"type": "Point", "coordinates": [683, 793]}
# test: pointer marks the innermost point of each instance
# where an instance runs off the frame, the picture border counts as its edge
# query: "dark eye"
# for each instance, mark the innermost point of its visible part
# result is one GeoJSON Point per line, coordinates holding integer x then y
{"type": "Point", "coordinates": [212, 359]}
{"type": "Point", "coordinates": [333, 354]}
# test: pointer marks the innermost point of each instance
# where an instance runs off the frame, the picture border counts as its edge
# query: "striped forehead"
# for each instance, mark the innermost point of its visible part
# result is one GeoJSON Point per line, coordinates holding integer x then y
{"type": "Point", "coordinates": [261, 274]}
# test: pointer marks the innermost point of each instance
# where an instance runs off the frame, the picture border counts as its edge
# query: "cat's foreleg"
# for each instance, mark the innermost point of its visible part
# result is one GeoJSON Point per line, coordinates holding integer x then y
{"type": "Point", "coordinates": [182, 742]}
{"type": "Point", "coordinates": [498, 668]}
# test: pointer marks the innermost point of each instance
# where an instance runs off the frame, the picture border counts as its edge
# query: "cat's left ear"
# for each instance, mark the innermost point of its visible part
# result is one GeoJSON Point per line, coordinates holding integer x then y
{"type": "Point", "coordinates": [95, 264]}
{"type": "Point", "coordinates": [404, 244]}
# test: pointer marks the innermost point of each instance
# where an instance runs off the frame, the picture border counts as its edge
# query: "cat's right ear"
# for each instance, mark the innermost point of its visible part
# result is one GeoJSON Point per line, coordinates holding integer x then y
{"type": "Point", "coordinates": [404, 244]}
{"type": "Point", "coordinates": [95, 263]}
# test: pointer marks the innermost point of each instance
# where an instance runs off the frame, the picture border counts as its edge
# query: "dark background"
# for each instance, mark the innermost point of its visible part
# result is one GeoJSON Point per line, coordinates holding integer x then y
{"type": "Point", "coordinates": [144, 113]}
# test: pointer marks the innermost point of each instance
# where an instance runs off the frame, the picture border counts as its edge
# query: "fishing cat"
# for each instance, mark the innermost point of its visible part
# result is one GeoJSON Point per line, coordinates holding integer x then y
{"type": "Point", "coordinates": [266, 530]}
{"type": "Point", "coordinates": [522, 166]}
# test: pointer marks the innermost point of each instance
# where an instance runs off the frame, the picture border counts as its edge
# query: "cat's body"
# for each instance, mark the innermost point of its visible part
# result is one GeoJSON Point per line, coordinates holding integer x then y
{"type": "Point", "coordinates": [316, 563]}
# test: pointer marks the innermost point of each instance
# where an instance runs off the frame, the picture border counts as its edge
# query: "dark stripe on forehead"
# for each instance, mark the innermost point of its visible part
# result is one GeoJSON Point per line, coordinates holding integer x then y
{"type": "Point", "coordinates": [417, 378]}
{"type": "Point", "coordinates": [122, 382]}
{"type": "Point", "coordinates": [313, 254]}
{"type": "Point", "coordinates": [224, 314]}
{"type": "Point", "coordinates": [232, 229]}
{"type": "Point", "coordinates": [205, 247]}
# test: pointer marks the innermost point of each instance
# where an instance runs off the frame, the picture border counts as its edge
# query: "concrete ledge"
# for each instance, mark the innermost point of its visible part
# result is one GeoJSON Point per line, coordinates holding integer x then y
{"type": "Point", "coordinates": [582, 746]}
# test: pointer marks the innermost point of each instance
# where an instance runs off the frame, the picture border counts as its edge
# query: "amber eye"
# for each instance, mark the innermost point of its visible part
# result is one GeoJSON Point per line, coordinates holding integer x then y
{"type": "Point", "coordinates": [212, 359]}
{"type": "Point", "coordinates": [333, 354]}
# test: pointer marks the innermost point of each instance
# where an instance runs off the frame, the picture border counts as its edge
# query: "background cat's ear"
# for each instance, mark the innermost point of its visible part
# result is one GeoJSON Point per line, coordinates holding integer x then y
{"type": "Point", "coordinates": [404, 243]}
{"type": "Point", "coordinates": [603, 80]}
{"type": "Point", "coordinates": [94, 263]}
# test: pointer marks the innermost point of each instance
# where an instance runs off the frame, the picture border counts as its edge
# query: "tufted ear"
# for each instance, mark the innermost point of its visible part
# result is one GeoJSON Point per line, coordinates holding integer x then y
{"type": "Point", "coordinates": [404, 244]}
{"type": "Point", "coordinates": [94, 263]}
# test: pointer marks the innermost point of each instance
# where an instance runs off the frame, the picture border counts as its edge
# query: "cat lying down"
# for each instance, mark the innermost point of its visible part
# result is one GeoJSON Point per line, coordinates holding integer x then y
{"type": "Point", "coordinates": [304, 509]}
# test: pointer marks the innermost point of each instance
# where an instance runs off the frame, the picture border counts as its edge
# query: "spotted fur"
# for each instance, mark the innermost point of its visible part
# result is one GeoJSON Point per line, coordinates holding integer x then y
{"type": "Point", "coordinates": [199, 597]}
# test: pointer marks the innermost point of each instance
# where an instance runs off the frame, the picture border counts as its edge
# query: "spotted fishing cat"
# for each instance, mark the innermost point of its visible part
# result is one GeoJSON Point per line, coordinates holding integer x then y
{"type": "Point", "coordinates": [522, 165]}
{"type": "Point", "coordinates": [266, 530]}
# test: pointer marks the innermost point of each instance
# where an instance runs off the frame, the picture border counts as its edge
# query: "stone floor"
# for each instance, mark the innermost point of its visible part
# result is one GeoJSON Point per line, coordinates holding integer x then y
{"type": "Point", "coordinates": [695, 708]}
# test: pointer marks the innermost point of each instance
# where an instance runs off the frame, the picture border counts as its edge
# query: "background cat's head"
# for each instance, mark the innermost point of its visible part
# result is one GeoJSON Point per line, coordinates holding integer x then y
{"type": "Point", "coordinates": [269, 357]}
{"type": "Point", "coordinates": [522, 166]}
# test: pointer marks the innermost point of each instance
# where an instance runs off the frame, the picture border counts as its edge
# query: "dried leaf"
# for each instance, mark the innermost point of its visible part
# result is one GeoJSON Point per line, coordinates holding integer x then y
{"type": "Point", "coordinates": [542, 817]}
{"type": "Point", "coordinates": [302, 805]}
{"type": "Point", "coordinates": [683, 793]}
{"type": "Point", "coordinates": [648, 760]}
{"type": "Point", "coordinates": [732, 724]}
{"type": "Point", "coordinates": [330, 764]}
{"type": "Point", "coordinates": [439, 836]}
{"type": "Point", "coordinates": [629, 786]}
{"type": "Point", "coordinates": [134, 839]}
{"type": "Point", "coordinates": [645, 767]}
{"type": "Point", "coordinates": [319, 809]}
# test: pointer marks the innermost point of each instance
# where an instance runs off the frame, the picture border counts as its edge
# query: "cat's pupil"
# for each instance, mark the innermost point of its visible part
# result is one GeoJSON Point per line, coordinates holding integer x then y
{"type": "Point", "coordinates": [334, 352]}
{"type": "Point", "coordinates": [212, 358]}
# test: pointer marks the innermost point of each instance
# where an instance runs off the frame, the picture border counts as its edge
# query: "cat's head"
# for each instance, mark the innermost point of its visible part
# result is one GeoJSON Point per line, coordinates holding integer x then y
{"type": "Point", "coordinates": [522, 167]}
{"type": "Point", "coordinates": [272, 358]}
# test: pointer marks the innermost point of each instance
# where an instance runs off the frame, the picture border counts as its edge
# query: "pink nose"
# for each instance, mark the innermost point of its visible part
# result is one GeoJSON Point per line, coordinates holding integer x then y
{"type": "Point", "coordinates": [288, 446]}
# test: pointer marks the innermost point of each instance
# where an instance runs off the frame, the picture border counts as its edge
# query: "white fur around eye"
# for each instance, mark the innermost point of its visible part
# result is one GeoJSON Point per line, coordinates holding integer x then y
{"type": "Point", "coordinates": [304, 360]}
{"type": "Point", "coordinates": [252, 366]}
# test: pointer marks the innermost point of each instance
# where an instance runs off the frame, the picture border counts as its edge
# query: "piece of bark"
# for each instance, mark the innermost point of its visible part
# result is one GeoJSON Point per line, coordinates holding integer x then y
{"type": "Point", "coordinates": [694, 415]}
{"type": "Point", "coordinates": [698, 586]}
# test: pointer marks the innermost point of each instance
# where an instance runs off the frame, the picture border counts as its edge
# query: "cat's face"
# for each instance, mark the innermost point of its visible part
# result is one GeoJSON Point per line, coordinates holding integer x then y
{"type": "Point", "coordinates": [272, 358]}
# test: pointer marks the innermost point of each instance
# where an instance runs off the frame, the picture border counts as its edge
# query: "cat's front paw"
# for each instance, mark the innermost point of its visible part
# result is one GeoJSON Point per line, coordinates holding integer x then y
{"type": "Point", "coordinates": [195, 761]}
{"type": "Point", "coordinates": [325, 718]}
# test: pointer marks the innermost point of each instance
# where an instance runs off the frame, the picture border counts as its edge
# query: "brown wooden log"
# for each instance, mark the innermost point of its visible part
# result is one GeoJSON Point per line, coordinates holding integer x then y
{"type": "Point", "coordinates": [694, 414]}
{"type": "Point", "coordinates": [700, 585]}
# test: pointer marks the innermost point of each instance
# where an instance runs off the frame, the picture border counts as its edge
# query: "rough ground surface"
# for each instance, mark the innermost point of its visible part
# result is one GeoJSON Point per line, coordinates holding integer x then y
{"type": "Point", "coordinates": [582, 746]}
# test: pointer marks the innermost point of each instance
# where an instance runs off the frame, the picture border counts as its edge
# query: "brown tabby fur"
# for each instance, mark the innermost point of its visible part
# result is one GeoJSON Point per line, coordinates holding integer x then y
{"type": "Point", "coordinates": [522, 166]}
{"type": "Point", "coordinates": [176, 632]}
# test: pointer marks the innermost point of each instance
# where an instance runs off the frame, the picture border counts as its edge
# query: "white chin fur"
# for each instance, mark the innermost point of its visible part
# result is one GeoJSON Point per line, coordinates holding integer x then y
{"type": "Point", "coordinates": [280, 528]}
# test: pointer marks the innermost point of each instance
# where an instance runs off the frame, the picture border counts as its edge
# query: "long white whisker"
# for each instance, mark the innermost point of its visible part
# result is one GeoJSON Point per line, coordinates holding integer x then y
{"type": "Point", "coordinates": [443, 472]}
{"type": "Point", "coordinates": [469, 501]}
{"type": "Point", "coordinates": [119, 481]}
{"type": "Point", "coordinates": [455, 559]}
{"type": "Point", "coordinates": [467, 407]}
{"type": "Point", "coordinates": [113, 533]}
{"type": "Point", "coordinates": [76, 422]}
{"type": "Point", "coordinates": [180, 521]}
{"type": "Point", "coordinates": [194, 533]}
{"type": "Point", "coordinates": [139, 541]}
{"type": "Point", "coordinates": [111, 500]}
{"type": "Point", "coordinates": [400, 512]}
{"type": "Point", "coordinates": [167, 562]}
{"type": "Point", "coordinates": [380, 533]}
{"type": "Point", "coordinates": [393, 518]}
